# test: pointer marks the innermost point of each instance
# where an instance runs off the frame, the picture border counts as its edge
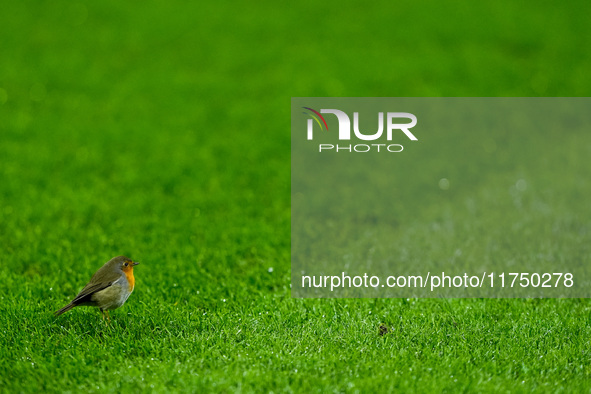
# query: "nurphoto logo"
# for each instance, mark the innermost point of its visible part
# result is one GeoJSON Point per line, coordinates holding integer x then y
{"type": "Point", "coordinates": [344, 130]}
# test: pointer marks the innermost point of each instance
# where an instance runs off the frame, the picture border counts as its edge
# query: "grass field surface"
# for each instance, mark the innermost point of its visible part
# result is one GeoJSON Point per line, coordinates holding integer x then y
{"type": "Point", "coordinates": [160, 130]}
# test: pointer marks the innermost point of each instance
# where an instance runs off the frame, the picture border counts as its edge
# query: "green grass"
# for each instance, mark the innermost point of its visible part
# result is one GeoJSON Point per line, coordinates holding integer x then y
{"type": "Point", "coordinates": [161, 131]}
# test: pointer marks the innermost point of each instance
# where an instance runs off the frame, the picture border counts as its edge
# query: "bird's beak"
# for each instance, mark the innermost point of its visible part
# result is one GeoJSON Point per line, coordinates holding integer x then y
{"type": "Point", "coordinates": [134, 263]}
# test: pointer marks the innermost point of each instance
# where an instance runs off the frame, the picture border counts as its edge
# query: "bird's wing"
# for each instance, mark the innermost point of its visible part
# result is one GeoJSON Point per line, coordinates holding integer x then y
{"type": "Point", "coordinates": [96, 285]}
{"type": "Point", "coordinates": [89, 290]}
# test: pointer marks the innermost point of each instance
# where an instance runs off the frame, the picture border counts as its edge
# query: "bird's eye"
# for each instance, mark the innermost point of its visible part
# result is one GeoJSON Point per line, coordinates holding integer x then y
{"type": "Point", "coordinates": [126, 264]}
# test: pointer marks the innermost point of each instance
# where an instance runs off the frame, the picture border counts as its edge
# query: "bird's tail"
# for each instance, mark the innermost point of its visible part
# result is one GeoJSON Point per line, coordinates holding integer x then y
{"type": "Point", "coordinates": [64, 309]}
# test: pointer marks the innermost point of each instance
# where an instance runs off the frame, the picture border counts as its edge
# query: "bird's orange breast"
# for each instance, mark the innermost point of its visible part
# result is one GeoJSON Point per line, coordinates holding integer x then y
{"type": "Point", "coordinates": [130, 278]}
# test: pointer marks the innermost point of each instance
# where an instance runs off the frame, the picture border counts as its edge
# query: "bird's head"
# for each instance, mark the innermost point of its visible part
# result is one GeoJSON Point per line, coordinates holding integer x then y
{"type": "Point", "coordinates": [125, 264]}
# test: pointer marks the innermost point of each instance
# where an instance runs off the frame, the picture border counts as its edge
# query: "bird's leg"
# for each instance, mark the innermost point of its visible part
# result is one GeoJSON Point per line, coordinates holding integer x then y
{"type": "Point", "coordinates": [106, 313]}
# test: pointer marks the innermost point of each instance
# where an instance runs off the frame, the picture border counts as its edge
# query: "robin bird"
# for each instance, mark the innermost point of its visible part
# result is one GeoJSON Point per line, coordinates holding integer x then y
{"type": "Point", "coordinates": [108, 288]}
